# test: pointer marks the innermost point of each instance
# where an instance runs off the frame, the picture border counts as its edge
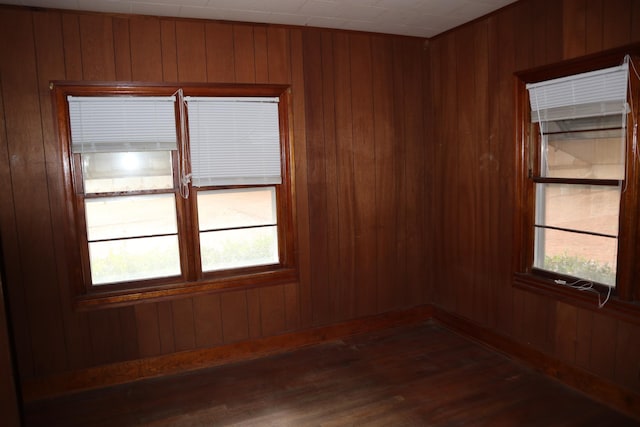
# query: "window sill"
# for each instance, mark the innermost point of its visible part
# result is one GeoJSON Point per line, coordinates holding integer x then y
{"type": "Point", "coordinates": [105, 298]}
{"type": "Point", "coordinates": [622, 310]}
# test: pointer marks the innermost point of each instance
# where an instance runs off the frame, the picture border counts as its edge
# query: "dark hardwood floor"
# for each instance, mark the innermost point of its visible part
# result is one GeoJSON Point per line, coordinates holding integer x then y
{"type": "Point", "coordinates": [421, 375]}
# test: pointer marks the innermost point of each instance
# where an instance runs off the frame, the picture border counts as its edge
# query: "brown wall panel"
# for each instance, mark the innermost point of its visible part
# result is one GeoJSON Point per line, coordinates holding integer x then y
{"type": "Point", "coordinates": [122, 48]}
{"type": "Point", "coordinates": [385, 173]}
{"type": "Point", "coordinates": [301, 193]}
{"type": "Point", "coordinates": [97, 51]}
{"type": "Point", "coordinates": [148, 338]}
{"type": "Point", "coordinates": [261, 56]}
{"type": "Point", "coordinates": [146, 50]}
{"type": "Point", "coordinates": [169, 51]}
{"type": "Point", "coordinates": [399, 252]}
{"type": "Point", "coordinates": [524, 35]}
{"type": "Point", "coordinates": [404, 163]}
{"type": "Point", "coordinates": [363, 146]}
{"type": "Point", "coordinates": [414, 197]}
{"type": "Point", "coordinates": [30, 204]}
{"type": "Point", "coordinates": [345, 299]}
{"type": "Point", "coordinates": [233, 306]}
{"type": "Point", "coordinates": [279, 55]}
{"type": "Point", "coordinates": [190, 47]}
{"type": "Point", "coordinates": [244, 54]}
{"type": "Point", "coordinates": [220, 59]}
{"type": "Point", "coordinates": [207, 321]}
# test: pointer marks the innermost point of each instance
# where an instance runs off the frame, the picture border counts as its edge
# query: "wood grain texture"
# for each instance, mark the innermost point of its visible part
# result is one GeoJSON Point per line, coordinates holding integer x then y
{"type": "Point", "coordinates": [413, 375]}
{"type": "Point", "coordinates": [404, 179]}
{"type": "Point", "coordinates": [524, 35]}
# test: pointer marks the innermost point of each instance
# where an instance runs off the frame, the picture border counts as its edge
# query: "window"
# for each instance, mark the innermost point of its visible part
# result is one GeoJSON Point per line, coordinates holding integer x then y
{"type": "Point", "coordinates": [176, 189]}
{"type": "Point", "coordinates": [578, 179]}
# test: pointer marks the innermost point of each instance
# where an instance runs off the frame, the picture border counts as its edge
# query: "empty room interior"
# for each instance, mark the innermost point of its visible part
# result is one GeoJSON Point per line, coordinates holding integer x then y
{"type": "Point", "coordinates": [319, 212]}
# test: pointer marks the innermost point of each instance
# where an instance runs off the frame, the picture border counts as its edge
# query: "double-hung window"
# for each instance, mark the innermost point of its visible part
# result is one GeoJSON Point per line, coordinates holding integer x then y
{"type": "Point", "coordinates": [175, 189]}
{"type": "Point", "coordinates": [578, 176]}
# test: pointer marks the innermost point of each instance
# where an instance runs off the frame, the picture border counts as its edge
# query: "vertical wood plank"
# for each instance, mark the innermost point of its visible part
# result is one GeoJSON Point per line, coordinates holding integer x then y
{"type": "Point", "coordinates": [122, 48]}
{"type": "Point", "coordinates": [96, 38]}
{"type": "Point", "coordinates": [502, 185]}
{"type": "Point", "coordinates": [565, 332]}
{"type": "Point", "coordinates": [31, 207]}
{"type": "Point", "coordinates": [207, 320]}
{"type": "Point", "coordinates": [183, 324]}
{"type": "Point", "coordinates": [190, 49]}
{"type": "Point", "coordinates": [385, 171]}
{"type": "Point", "coordinates": [301, 194]}
{"type": "Point", "coordinates": [316, 175]}
{"type": "Point", "coordinates": [261, 57]}
{"type": "Point", "coordinates": [344, 141]}
{"type": "Point", "coordinates": [128, 329]}
{"type": "Point", "coordinates": [72, 49]}
{"type": "Point", "coordinates": [220, 54]}
{"type": "Point", "coordinates": [254, 315]}
{"type": "Point", "coordinates": [148, 329]}
{"type": "Point", "coordinates": [235, 325]}
{"type": "Point", "coordinates": [272, 310]}
{"type": "Point", "coordinates": [400, 165]}
{"type": "Point", "coordinates": [594, 24]}
{"type": "Point", "coordinates": [627, 363]}
{"type": "Point", "coordinates": [169, 51]}
{"type": "Point", "coordinates": [554, 31]}
{"type": "Point", "coordinates": [106, 345]}
{"type": "Point", "coordinates": [292, 306]}
{"type": "Point", "coordinates": [583, 338]}
{"type": "Point", "coordinates": [9, 401]}
{"type": "Point", "coordinates": [415, 173]}
{"type": "Point", "coordinates": [603, 345]}
{"type": "Point", "coordinates": [635, 22]}
{"type": "Point", "coordinates": [10, 250]}
{"type": "Point", "coordinates": [50, 57]}
{"type": "Point", "coordinates": [279, 55]}
{"type": "Point", "coordinates": [331, 184]}
{"type": "Point", "coordinates": [466, 160]}
{"type": "Point", "coordinates": [486, 167]}
{"type": "Point", "coordinates": [450, 212]}
{"type": "Point", "coordinates": [243, 52]}
{"type": "Point", "coordinates": [146, 49]}
{"type": "Point", "coordinates": [616, 23]}
{"type": "Point", "coordinates": [436, 134]}
{"type": "Point", "coordinates": [574, 28]}
{"type": "Point", "coordinates": [165, 327]}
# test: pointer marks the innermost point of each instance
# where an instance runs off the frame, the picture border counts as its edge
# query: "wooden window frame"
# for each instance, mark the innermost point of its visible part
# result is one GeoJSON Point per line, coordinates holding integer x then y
{"type": "Point", "coordinates": [192, 279]}
{"type": "Point", "coordinates": [626, 295]}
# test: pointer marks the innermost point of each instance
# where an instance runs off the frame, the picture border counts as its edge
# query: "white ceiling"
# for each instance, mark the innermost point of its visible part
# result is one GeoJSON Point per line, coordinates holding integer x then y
{"type": "Point", "coordinates": [421, 18]}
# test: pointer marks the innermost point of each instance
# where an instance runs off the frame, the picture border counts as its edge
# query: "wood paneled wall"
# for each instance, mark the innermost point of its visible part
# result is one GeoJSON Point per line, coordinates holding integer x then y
{"type": "Point", "coordinates": [360, 179]}
{"type": "Point", "coordinates": [473, 102]}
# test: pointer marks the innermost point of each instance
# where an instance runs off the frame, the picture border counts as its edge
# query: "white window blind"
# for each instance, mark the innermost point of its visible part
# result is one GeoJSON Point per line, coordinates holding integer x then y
{"type": "Point", "coordinates": [122, 123]}
{"type": "Point", "coordinates": [596, 93]}
{"type": "Point", "coordinates": [234, 141]}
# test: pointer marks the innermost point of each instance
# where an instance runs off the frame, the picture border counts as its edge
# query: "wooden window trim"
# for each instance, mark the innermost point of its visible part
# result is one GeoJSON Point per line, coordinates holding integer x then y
{"type": "Point", "coordinates": [191, 281]}
{"type": "Point", "coordinates": [625, 299]}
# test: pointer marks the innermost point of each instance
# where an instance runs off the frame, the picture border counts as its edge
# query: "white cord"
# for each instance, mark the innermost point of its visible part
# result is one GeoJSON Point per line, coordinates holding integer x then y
{"type": "Point", "coordinates": [183, 177]}
{"type": "Point", "coordinates": [586, 285]}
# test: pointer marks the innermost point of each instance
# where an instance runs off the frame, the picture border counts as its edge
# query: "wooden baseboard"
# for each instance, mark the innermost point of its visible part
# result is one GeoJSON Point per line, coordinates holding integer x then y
{"type": "Point", "coordinates": [614, 395]}
{"type": "Point", "coordinates": [611, 394]}
{"type": "Point", "coordinates": [129, 371]}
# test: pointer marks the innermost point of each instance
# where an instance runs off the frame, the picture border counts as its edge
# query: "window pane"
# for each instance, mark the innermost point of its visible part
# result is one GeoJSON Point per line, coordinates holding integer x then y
{"type": "Point", "coordinates": [579, 255]}
{"type": "Point", "coordinates": [590, 208]}
{"type": "Point", "coordinates": [220, 209]}
{"type": "Point", "coordinates": [584, 148]}
{"type": "Point", "coordinates": [130, 216]}
{"type": "Point", "coordinates": [222, 250]}
{"type": "Point", "coordinates": [134, 259]}
{"type": "Point", "coordinates": [130, 171]}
